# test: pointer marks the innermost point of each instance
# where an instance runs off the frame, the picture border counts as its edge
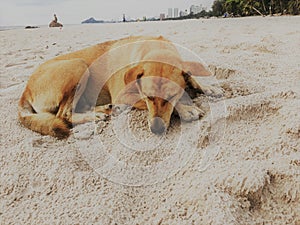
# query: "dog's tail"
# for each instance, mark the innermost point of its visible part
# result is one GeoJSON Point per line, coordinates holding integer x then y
{"type": "Point", "coordinates": [44, 123]}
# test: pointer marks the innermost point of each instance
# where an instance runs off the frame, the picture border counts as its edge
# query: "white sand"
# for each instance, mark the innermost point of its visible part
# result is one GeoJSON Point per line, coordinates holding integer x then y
{"type": "Point", "coordinates": [246, 173]}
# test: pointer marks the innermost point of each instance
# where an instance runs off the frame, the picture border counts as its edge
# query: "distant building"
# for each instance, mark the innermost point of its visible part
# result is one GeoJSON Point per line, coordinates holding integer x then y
{"type": "Point", "coordinates": [195, 9]}
{"type": "Point", "coordinates": [170, 13]}
{"type": "Point", "coordinates": [162, 16]}
{"type": "Point", "coordinates": [175, 12]}
{"type": "Point", "coordinates": [183, 13]}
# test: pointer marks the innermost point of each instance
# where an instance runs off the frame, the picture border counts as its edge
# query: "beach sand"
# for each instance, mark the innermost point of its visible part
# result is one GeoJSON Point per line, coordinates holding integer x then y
{"type": "Point", "coordinates": [240, 164]}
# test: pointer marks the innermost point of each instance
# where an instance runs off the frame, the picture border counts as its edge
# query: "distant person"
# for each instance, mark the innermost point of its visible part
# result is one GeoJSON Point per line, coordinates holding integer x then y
{"type": "Point", "coordinates": [124, 18]}
{"type": "Point", "coordinates": [55, 18]}
{"type": "Point", "coordinates": [54, 22]}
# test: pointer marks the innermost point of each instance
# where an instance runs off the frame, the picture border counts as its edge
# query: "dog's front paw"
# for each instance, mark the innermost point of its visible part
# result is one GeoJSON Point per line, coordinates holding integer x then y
{"type": "Point", "coordinates": [213, 91]}
{"type": "Point", "coordinates": [189, 112]}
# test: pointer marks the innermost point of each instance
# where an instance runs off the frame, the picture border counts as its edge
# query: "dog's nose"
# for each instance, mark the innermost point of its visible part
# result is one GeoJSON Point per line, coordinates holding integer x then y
{"type": "Point", "coordinates": [158, 126]}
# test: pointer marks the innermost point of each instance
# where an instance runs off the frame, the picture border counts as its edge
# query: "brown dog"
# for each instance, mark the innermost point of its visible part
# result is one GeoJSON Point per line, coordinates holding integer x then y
{"type": "Point", "coordinates": [144, 72]}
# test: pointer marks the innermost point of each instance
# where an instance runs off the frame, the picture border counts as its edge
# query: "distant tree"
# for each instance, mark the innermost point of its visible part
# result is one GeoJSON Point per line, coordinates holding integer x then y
{"type": "Point", "coordinates": [232, 6]}
{"type": "Point", "coordinates": [255, 7]}
{"type": "Point", "coordinates": [293, 7]}
{"type": "Point", "coordinates": [264, 6]}
{"type": "Point", "coordinates": [218, 7]}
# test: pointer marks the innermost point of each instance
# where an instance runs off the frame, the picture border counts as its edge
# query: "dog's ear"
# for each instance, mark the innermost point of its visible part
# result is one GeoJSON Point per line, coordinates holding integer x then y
{"type": "Point", "coordinates": [134, 74]}
{"type": "Point", "coordinates": [195, 69]}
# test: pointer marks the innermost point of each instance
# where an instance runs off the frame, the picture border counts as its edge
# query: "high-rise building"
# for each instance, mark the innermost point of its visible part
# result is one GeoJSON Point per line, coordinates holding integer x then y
{"type": "Point", "coordinates": [170, 13]}
{"type": "Point", "coordinates": [176, 12]}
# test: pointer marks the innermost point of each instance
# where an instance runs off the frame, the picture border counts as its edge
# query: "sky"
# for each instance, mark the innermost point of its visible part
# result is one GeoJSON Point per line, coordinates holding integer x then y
{"type": "Point", "coordinates": [40, 12]}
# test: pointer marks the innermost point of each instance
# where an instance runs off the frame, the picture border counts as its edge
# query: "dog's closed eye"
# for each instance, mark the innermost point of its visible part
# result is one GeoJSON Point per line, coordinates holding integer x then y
{"type": "Point", "coordinates": [152, 98]}
{"type": "Point", "coordinates": [139, 76]}
{"type": "Point", "coordinates": [171, 97]}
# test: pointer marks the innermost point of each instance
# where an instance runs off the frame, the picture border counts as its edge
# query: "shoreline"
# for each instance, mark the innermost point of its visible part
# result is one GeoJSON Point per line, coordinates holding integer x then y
{"type": "Point", "coordinates": [17, 27]}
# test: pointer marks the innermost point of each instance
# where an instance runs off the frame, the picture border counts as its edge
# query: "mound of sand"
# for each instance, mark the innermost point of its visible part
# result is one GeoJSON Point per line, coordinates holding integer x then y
{"type": "Point", "coordinates": [240, 164]}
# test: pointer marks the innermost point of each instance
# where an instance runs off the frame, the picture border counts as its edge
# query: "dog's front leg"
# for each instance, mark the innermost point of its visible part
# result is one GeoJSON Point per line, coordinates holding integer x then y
{"type": "Point", "coordinates": [80, 118]}
{"type": "Point", "coordinates": [209, 90]}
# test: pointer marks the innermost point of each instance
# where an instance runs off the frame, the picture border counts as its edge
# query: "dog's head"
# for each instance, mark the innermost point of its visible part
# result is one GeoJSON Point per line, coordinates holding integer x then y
{"type": "Point", "coordinates": [161, 85]}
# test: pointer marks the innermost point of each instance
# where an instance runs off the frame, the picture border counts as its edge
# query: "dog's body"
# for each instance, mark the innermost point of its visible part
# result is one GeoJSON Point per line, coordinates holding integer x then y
{"type": "Point", "coordinates": [144, 72]}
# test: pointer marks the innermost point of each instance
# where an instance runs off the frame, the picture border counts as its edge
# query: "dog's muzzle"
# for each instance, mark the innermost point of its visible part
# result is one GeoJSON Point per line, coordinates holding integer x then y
{"type": "Point", "coordinates": [157, 126]}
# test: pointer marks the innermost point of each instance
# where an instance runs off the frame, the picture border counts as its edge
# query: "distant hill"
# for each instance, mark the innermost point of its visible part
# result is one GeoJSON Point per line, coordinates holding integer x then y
{"type": "Point", "coordinates": [92, 20]}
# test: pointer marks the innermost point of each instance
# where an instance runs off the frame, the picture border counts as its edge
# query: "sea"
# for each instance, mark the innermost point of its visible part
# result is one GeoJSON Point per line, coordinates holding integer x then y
{"type": "Point", "coordinates": [2, 28]}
